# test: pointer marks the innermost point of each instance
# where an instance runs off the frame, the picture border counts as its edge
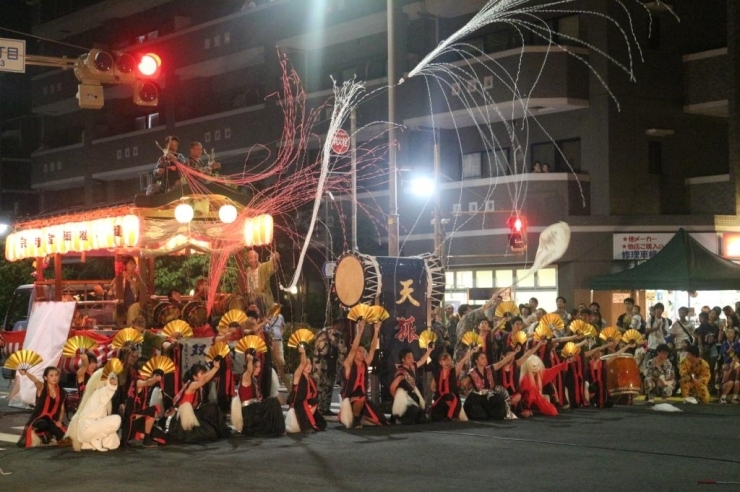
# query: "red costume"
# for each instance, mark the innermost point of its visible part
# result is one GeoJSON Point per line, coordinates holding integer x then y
{"type": "Point", "coordinates": [446, 403]}
{"type": "Point", "coordinates": [43, 421]}
{"type": "Point", "coordinates": [531, 389]}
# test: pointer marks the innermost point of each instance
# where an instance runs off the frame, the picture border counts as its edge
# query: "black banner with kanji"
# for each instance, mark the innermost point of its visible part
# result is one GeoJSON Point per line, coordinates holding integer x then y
{"type": "Point", "coordinates": [403, 295]}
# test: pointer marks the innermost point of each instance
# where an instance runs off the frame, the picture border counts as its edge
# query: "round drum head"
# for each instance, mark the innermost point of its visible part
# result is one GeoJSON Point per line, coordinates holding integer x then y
{"type": "Point", "coordinates": [349, 280]}
{"type": "Point", "coordinates": [195, 314]}
{"type": "Point", "coordinates": [161, 312]}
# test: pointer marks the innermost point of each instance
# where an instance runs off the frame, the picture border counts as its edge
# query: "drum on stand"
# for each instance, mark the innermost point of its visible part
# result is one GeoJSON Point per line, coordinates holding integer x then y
{"type": "Point", "coordinates": [195, 314]}
{"type": "Point", "coordinates": [163, 313]}
{"type": "Point", "coordinates": [226, 302]}
{"type": "Point", "coordinates": [623, 376]}
{"type": "Point", "coordinates": [357, 279]}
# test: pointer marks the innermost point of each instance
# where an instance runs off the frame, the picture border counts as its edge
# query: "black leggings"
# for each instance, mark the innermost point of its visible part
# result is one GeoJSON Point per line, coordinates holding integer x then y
{"type": "Point", "coordinates": [45, 425]}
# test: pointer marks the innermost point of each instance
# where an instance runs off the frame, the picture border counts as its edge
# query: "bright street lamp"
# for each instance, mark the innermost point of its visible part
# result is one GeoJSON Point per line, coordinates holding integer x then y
{"type": "Point", "coordinates": [423, 186]}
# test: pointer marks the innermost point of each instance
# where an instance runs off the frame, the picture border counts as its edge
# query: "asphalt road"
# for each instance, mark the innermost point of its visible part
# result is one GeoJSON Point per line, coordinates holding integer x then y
{"type": "Point", "coordinates": [625, 448]}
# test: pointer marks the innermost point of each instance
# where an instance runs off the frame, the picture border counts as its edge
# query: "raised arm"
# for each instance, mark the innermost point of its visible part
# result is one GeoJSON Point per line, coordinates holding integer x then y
{"type": "Point", "coordinates": [529, 353]}
{"type": "Point", "coordinates": [424, 358]}
{"type": "Point", "coordinates": [85, 363]}
{"type": "Point", "coordinates": [459, 366]}
{"type": "Point", "coordinates": [195, 385]}
{"type": "Point", "coordinates": [373, 344]}
{"type": "Point", "coordinates": [34, 380]}
{"type": "Point", "coordinates": [301, 366]}
{"type": "Point", "coordinates": [350, 359]}
{"type": "Point", "coordinates": [249, 369]}
{"type": "Point", "coordinates": [504, 362]}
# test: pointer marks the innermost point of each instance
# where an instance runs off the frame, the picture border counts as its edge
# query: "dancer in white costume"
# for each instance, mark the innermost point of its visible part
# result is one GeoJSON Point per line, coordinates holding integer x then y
{"type": "Point", "coordinates": [93, 427]}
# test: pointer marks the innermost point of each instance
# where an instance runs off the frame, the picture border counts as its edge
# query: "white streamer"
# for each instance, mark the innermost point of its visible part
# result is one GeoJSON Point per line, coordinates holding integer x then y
{"type": "Point", "coordinates": [345, 98]}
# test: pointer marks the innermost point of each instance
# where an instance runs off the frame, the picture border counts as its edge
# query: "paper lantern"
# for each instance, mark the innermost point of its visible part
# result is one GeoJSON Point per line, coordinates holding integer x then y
{"type": "Point", "coordinates": [11, 247]}
{"type": "Point", "coordinates": [82, 237]}
{"type": "Point", "coordinates": [184, 213]}
{"type": "Point", "coordinates": [103, 233]}
{"type": "Point", "coordinates": [227, 213]}
{"type": "Point", "coordinates": [35, 244]}
{"type": "Point", "coordinates": [126, 231]}
{"type": "Point", "coordinates": [258, 230]}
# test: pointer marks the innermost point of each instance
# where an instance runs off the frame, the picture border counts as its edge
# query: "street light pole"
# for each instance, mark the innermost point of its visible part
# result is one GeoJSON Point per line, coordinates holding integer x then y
{"type": "Point", "coordinates": [393, 228]}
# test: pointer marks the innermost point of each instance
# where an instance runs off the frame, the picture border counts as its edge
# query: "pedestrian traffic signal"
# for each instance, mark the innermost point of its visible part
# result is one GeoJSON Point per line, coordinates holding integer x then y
{"type": "Point", "coordinates": [518, 233]}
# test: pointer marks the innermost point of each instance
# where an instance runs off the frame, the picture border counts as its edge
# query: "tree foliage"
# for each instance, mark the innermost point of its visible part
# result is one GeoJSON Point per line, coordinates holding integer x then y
{"type": "Point", "coordinates": [181, 272]}
{"type": "Point", "coordinates": [12, 275]}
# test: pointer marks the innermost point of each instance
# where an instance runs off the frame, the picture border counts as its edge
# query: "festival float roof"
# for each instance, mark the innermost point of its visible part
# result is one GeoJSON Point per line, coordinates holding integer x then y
{"type": "Point", "coordinates": [683, 264]}
{"type": "Point", "coordinates": [146, 226]}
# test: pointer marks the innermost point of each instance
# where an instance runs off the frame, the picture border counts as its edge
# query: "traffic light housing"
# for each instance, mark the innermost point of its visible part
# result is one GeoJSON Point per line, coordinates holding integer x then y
{"type": "Point", "coordinates": [517, 233]}
{"type": "Point", "coordinates": [98, 67]}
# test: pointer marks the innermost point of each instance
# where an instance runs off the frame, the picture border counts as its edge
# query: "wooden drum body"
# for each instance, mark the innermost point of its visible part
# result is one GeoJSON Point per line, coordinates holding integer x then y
{"type": "Point", "coordinates": [195, 314]}
{"type": "Point", "coordinates": [623, 376]}
{"type": "Point", "coordinates": [357, 279]}
{"type": "Point", "coordinates": [163, 313]}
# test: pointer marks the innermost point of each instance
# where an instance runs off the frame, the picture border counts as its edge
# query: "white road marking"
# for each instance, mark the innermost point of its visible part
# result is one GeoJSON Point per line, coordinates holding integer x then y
{"type": "Point", "coordinates": [9, 437]}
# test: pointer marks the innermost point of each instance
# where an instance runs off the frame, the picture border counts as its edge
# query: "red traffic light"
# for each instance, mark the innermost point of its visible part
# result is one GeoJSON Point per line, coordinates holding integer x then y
{"type": "Point", "coordinates": [516, 223]}
{"type": "Point", "coordinates": [149, 65]}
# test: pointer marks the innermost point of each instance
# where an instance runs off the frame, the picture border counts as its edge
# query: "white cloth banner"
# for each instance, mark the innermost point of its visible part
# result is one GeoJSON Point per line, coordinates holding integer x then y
{"type": "Point", "coordinates": [48, 329]}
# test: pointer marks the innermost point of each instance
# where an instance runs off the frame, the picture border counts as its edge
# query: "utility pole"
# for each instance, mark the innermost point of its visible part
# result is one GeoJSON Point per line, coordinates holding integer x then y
{"type": "Point", "coordinates": [353, 150]}
{"type": "Point", "coordinates": [393, 227]}
{"type": "Point", "coordinates": [438, 232]}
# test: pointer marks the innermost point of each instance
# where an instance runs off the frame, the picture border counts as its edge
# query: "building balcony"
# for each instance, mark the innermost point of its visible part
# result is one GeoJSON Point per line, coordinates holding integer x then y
{"type": "Point", "coordinates": [707, 83]}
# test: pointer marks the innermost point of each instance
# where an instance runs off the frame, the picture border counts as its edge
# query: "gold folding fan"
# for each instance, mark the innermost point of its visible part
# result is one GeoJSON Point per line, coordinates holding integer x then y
{"type": "Point", "coordinates": [303, 336]}
{"type": "Point", "coordinates": [23, 360]}
{"type": "Point", "coordinates": [584, 329]}
{"type": "Point", "coordinates": [218, 349]}
{"type": "Point", "coordinates": [426, 337]}
{"type": "Point", "coordinates": [178, 326]}
{"type": "Point", "coordinates": [274, 311]}
{"type": "Point", "coordinates": [377, 314]}
{"type": "Point", "coordinates": [77, 345]}
{"type": "Point", "coordinates": [157, 363]}
{"type": "Point", "coordinates": [633, 335]}
{"type": "Point", "coordinates": [570, 350]}
{"type": "Point", "coordinates": [235, 315]}
{"type": "Point", "coordinates": [507, 307]}
{"type": "Point", "coordinates": [552, 322]}
{"type": "Point", "coordinates": [543, 332]}
{"type": "Point", "coordinates": [610, 334]}
{"type": "Point", "coordinates": [113, 365]}
{"type": "Point", "coordinates": [471, 338]}
{"type": "Point", "coordinates": [251, 343]}
{"type": "Point", "coordinates": [359, 311]}
{"type": "Point", "coordinates": [576, 326]}
{"type": "Point", "coordinates": [127, 336]}
{"type": "Point", "coordinates": [519, 338]}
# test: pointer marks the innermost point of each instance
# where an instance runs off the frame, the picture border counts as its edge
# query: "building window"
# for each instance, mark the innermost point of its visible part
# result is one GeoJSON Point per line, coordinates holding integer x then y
{"type": "Point", "coordinates": [524, 280]}
{"type": "Point", "coordinates": [227, 133]}
{"type": "Point", "coordinates": [207, 44]}
{"type": "Point", "coordinates": [471, 165]}
{"type": "Point", "coordinates": [227, 37]}
{"type": "Point", "coordinates": [216, 41]}
{"type": "Point", "coordinates": [655, 157]}
{"type": "Point", "coordinates": [464, 279]}
{"type": "Point", "coordinates": [484, 278]}
{"type": "Point", "coordinates": [46, 168]}
{"type": "Point", "coordinates": [552, 153]}
{"type": "Point", "coordinates": [217, 135]}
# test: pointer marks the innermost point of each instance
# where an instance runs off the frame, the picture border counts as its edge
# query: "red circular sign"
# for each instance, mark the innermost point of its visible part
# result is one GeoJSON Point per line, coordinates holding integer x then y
{"type": "Point", "coordinates": [340, 142]}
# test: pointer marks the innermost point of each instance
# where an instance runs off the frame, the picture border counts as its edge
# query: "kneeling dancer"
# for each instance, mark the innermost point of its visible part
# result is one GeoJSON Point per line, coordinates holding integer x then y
{"type": "Point", "coordinates": [487, 400]}
{"type": "Point", "coordinates": [251, 414]}
{"type": "Point", "coordinates": [93, 427]}
{"type": "Point", "coordinates": [356, 410]}
{"type": "Point", "coordinates": [408, 403]}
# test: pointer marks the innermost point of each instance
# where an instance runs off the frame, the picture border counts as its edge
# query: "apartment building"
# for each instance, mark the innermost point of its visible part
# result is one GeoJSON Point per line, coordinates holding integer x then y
{"type": "Point", "coordinates": [667, 155]}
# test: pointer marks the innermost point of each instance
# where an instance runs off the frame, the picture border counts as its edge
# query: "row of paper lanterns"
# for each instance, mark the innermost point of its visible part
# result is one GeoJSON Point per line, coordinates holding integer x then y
{"type": "Point", "coordinates": [108, 233]}
{"type": "Point", "coordinates": [74, 237]}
